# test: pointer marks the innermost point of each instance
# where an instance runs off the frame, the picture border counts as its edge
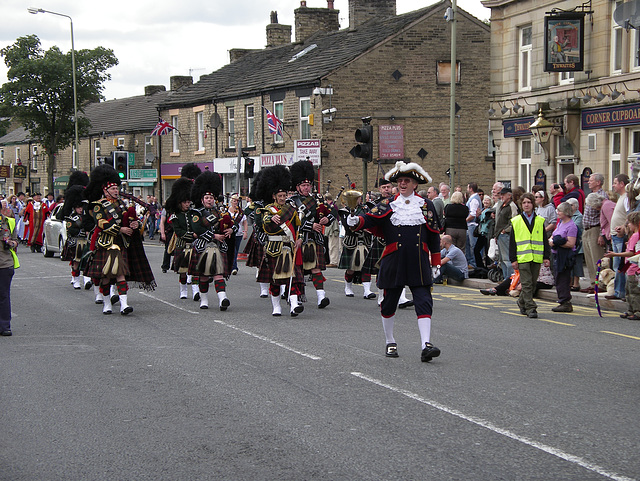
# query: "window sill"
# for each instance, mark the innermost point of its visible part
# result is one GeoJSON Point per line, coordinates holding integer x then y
{"type": "Point", "coordinates": [174, 154]}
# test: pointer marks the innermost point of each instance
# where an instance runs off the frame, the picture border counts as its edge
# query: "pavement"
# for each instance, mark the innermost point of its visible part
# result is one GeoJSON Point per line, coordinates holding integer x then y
{"type": "Point", "coordinates": [578, 298]}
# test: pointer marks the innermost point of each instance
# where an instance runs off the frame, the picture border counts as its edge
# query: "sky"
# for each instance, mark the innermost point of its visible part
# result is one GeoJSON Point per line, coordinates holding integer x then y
{"type": "Point", "coordinates": [155, 40]}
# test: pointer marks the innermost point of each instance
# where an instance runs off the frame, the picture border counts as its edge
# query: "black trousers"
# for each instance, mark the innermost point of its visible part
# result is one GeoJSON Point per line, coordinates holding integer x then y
{"type": "Point", "coordinates": [421, 299]}
{"type": "Point", "coordinates": [5, 298]}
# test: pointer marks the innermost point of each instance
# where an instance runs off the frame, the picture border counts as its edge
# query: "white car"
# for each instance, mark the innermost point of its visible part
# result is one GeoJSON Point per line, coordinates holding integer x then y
{"type": "Point", "coordinates": [54, 234]}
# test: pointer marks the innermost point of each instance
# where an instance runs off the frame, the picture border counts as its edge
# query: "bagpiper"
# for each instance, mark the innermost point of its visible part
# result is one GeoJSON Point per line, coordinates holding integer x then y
{"type": "Point", "coordinates": [211, 229]}
{"type": "Point", "coordinates": [414, 263]}
{"type": "Point", "coordinates": [119, 255]}
{"type": "Point", "coordinates": [79, 225]}
{"type": "Point", "coordinates": [255, 245]}
{"type": "Point", "coordinates": [313, 221]}
{"type": "Point", "coordinates": [178, 206]}
{"type": "Point", "coordinates": [281, 264]}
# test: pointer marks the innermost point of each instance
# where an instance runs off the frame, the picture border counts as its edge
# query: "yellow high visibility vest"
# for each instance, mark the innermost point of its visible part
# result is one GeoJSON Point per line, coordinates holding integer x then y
{"type": "Point", "coordinates": [529, 245]}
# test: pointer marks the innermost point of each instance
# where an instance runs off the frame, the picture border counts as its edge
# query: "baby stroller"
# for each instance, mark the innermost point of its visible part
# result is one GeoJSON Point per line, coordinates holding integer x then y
{"type": "Point", "coordinates": [495, 273]}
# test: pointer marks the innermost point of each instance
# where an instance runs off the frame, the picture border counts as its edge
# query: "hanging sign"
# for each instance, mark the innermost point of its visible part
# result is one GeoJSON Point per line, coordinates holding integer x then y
{"type": "Point", "coordinates": [564, 42]}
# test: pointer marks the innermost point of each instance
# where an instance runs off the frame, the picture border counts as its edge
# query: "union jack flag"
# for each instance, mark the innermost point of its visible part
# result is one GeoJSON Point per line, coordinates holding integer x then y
{"type": "Point", "coordinates": [275, 124]}
{"type": "Point", "coordinates": [162, 128]}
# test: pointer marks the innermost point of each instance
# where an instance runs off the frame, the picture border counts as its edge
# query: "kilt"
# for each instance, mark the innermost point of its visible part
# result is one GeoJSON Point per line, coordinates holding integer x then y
{"type": "Point", "coordinates": [265, 271]}
{"type": "Point", "coordinates": [140, 272]}
{"type": "Point", "coordinates": [321, 262]}
{"type": "Point", "coordinates": [371, 263]}
{"type": "Point", "coordinates": [68, 252]}
{"type": "Point", "coordinates": [195, 257]}
{"type": "Point", "coordinates": [100, 258]}
{"type": "Point", "coordinates": [254, 251]}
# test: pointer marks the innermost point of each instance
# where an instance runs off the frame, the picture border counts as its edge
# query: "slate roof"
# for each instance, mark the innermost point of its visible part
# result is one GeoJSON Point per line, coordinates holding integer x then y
{"type": "Point", "coordinates": [131, 114]}
{"type": "Point", "coordinates": [271, 68]}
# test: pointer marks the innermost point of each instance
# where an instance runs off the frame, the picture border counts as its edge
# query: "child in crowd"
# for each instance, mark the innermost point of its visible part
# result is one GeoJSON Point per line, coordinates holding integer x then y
{"type": "Point", "coordinates": [632, 269]}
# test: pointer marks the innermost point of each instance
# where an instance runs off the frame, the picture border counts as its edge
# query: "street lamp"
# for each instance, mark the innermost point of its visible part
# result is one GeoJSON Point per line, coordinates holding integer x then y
{"type": "Point", "coordinates": [35, 11]}
{"type": "Point", "coordinates": [541, 130]}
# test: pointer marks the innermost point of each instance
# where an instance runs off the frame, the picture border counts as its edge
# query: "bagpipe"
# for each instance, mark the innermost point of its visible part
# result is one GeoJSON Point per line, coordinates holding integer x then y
{"type": "Point", "coordinates": [151, 208]}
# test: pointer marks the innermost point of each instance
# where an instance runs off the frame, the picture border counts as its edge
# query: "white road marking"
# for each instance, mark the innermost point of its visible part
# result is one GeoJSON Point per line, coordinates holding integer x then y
{"type": "Point", "coordinates": [168, 303]}
{"type": "Point", "coordinates": [270, 341]}
{"type": "Point", "coordinates": [498, 430]}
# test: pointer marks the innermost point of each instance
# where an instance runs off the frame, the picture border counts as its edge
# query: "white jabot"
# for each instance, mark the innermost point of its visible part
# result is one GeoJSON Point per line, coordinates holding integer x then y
{"type": "Point", "coordinates": [407, 210]}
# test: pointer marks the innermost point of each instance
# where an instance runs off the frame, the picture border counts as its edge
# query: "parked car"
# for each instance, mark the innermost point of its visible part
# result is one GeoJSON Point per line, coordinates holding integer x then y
{"type": "Point", "coordinates": [54, 234]}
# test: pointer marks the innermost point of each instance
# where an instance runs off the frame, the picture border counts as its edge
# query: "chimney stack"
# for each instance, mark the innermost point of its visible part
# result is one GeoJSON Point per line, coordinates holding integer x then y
{"type": "Point", "coordinates": [277, 34]}
{"type": "Point", "coordinates": [309, 21]}
{"type": "Point", "coordinates": [178, 81]}
{"type": "Point", "coordinates": [361, 11]}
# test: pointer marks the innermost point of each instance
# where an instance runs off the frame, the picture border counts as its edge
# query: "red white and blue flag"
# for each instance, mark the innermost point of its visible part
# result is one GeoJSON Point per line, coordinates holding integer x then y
{"type": "Point", "coordinates": [275, 124]}
{"type": "Point", "coordinates": [162, 128]}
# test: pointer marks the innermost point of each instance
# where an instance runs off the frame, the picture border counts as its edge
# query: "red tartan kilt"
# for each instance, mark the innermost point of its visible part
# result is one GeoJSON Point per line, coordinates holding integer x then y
{"type": "Point", "coordinates": [95, 268]}
{"type": "Point", "coordinates": [265, 272]}
{"type": "Point", "coordinates": [254, 251]}
{"type": "Point", "coordinates": [68, 253]}
{"type": "Point", "coordinates": [321, 262]}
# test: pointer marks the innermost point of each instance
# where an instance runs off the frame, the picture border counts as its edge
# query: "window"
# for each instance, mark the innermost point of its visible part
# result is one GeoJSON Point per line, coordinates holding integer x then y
{"type": "Point", "coordinates": [614, 154]}
{"type": "Point", "coordinates": [564, 148]}
{"type": "Point", "coordinates": [443, 73]}
{"type": "Point", "coordinates": [34, 158]}
{"type": "Point", "coordinates": [567, 78]}
{"type": "Point", "coordinates": [251, 140]}
{"type": "Point", "coordinates": [305, 110]}
{"type": "Point", "coordinates": [96, 152]}
{"type": "Point", "coordinates": [231, 122]}
{"type": "Point", "coordinates": [616, 43]}
{"type": "Point", "coordinates": [524, 64]}
{"type": "Point", "coordinates": [74, 160]}
{"type": "Point", "coordinates": [175, 146]}
{"type": "Point", "coordinates": [17, 155]}
{"type": "Point", "coordinates": [121, 142]}
{"type": "Point", "coordinates": [591, 142]}
{"type": "Point", "coordinates": [635, 50]}
{"type": "Point", "coordinates": [278, 111]}
{"type": "Point", "coordinates": [525, 164]}
{"type": "Point", "coordinates": [149, 156]}
{"type": "Point", "coordinates": [200, 122]}
{"type": "Point", "coordinates": [1, 156]}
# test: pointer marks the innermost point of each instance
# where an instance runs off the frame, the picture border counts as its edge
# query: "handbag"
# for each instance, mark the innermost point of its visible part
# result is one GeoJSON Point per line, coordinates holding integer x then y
{"type": "Point", "coordinates": [493, 250]}
{"type": "Point", "coordinates": [476, 231]}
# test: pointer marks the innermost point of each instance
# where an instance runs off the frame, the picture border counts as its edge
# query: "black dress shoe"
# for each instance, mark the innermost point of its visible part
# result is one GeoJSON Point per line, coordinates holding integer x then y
{"type": "Point", "coordinates": [532, 315]}
{"type": "Point", "coordinates": [196, 297]}
{"type": "Point", "coordinates": [6, 333]}
{"type": "Point", "coordinates": [324, 303]}
{"type": "Point", "coordinates": [371, 295]}
{"type": "Point", "coordinates": [115, 299]}
{"type": "Point", "coordinates": [126, 311]}
{"type": "Point", "coordinates": [429, 352]}
{"type": "Point", "coordinates": [391, 350]}
{"type": "Point", "coordinates": [404, 305]}
{"type": "Point", "coordinates": [489, 292]}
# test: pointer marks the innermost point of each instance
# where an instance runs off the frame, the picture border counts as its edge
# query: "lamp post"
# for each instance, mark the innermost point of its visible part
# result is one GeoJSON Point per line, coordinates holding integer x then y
{"type": "Point", "coordinates": [35, 11]}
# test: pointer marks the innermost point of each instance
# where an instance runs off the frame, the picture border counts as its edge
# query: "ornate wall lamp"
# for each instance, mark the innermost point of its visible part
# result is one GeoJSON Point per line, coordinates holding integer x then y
{"type": "Point", "coordinates": [542, 130]}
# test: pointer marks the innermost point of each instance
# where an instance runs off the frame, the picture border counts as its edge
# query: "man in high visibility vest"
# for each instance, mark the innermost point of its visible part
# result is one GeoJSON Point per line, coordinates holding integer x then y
{"type": "Point", "coordinates": [8, 263]}
{"type": "Point", "coordinates": [528, 250]}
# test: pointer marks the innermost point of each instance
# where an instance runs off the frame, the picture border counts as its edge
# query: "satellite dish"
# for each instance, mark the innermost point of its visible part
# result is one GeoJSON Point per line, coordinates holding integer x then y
{"type": "Point", "coordinates": [627, 15]}
{"type": "Point", "coordinates": [149, 158]}
{"type": "Point", "coordinates": [214, 121]}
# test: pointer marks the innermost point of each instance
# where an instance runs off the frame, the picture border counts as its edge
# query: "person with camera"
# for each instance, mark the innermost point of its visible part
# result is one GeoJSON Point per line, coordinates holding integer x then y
{"type": "Point", "coordinates": [8, 264]}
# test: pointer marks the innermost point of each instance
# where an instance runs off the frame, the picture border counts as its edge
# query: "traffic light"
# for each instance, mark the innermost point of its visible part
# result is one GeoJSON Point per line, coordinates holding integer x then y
{"type": "Point", "coordinates": [248, 167]}
{"type": "Point", "coordinates": [364, 137]}
{"type": "Point", "coordinates": [121, 164]}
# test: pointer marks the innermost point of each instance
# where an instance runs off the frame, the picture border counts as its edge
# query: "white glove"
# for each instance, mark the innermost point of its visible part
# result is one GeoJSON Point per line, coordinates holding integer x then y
{"type": "Point", "coordinates": [435, 270]}
{"type": "Point", "coordinates": [352, 220]}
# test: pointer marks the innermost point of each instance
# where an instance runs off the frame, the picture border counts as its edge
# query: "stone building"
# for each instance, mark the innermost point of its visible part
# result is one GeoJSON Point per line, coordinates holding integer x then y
{"type": "Point", "coordinates": [392, 68]}
{"type": "Point", "coordinates": [595, 111]}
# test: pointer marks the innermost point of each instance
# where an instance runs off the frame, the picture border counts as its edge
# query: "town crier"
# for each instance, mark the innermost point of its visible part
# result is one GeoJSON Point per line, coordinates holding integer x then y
{"type": "Point", "coordinates": [410, 227]}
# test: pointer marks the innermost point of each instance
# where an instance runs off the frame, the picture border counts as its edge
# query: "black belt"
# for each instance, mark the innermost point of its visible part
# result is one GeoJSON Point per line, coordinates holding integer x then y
{"type": "Point", "coordinates": [591, 227]}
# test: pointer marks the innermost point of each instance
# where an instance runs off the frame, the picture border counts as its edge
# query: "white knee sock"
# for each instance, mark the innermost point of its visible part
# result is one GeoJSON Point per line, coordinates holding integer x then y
{"type": "Point", "coordinates": [387, 325]}
{"type": "Point", "coordinates": [424, 324]}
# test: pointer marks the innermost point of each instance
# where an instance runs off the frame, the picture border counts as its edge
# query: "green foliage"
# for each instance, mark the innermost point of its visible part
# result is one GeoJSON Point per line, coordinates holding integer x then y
{"type": "Point", "coordinates": [39, 91]}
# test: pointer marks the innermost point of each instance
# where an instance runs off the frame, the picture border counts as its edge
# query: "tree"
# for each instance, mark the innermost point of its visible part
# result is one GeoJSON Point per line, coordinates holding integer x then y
{"type": "Point", "coordinates": [39, 91]}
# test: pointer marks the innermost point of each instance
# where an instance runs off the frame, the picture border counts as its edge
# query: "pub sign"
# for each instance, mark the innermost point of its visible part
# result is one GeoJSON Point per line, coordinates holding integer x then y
{"type": "Point", "coordinates": [564, 42]}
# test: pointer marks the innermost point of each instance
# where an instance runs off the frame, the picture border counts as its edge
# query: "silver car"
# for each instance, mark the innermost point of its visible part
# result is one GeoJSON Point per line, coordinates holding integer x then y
{"type": "Point", "coordinates": [54, 234]}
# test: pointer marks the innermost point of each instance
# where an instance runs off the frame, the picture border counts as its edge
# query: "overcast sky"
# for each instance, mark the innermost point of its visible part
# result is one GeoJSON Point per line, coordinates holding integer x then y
{"type": "Point", "coordinates": [154, 40]}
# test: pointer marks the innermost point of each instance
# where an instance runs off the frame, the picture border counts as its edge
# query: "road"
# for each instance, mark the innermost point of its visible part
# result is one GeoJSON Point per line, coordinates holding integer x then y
{"type": "Point", "coordinates": [172, 392]}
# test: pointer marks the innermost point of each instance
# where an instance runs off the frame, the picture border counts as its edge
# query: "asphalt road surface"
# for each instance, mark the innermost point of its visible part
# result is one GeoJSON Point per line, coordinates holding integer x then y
{"type": "Point", "coordinates": [172, 392]}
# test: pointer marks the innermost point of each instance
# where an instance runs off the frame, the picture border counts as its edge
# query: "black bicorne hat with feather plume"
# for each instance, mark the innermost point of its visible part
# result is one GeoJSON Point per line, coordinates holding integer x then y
{"type": "Point", "coordinates": [180, 192]}
{"type": "Point", "coordinates": [206, 183]}
{"type": "Point", "coordinates": [301, 171]}
{"type": "Point", "coordinates": [100, 177]}
{"type": "Point", "coordinates": [274, 179]}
